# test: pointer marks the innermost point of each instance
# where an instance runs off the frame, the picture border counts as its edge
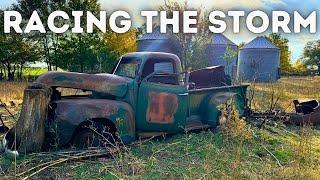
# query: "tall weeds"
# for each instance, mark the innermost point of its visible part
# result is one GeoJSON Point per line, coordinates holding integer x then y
{"type": "Point", "coordinates": [235, 132]}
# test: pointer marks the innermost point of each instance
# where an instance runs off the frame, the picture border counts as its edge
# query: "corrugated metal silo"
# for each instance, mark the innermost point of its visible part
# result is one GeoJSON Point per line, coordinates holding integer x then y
{"type": "Point", "coordinates": [259, 61]}
{"type": "Point", "coordinates": [159, 42]}
{"type": "Point", "coordinates": [223, 52]}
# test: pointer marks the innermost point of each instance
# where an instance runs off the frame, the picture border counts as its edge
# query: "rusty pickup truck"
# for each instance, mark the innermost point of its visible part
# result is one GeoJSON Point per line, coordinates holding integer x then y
{"type": "Point", "coordinates": [146, 95]}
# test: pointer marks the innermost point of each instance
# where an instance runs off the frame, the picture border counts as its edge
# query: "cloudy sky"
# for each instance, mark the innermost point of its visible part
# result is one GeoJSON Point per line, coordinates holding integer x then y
{"type": "Point", "coordinates": [297, 41]}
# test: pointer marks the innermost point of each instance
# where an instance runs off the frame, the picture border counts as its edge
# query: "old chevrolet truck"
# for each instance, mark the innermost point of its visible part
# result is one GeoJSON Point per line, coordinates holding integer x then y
{"type": "Point", "coordinates": [147, 95]}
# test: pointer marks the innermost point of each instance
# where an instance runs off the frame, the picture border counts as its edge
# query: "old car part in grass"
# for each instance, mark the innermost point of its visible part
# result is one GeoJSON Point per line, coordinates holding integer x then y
{"type": "Point", "coordinates": [307, 113]}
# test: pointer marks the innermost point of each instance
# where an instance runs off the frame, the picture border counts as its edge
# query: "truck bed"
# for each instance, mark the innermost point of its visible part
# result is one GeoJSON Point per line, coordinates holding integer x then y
{"type": "Point", "coordinates": [202, 100]}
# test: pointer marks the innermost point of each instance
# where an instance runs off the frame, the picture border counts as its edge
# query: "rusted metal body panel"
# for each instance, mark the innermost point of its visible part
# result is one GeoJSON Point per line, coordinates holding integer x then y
{"type": "Point", "coordinates": [72, 112]}
{"type": "Point", "coordinates": [162, 107]}
{"type": "Point", "coordinates": [103, 83]}
{"type": "Point", "coordinates": [310, 116]}
{"type": "Point", "coordinates": [204, 102]}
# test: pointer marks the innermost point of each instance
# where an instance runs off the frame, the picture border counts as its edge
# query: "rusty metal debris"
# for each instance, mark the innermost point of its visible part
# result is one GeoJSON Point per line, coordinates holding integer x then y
{"type": "Point", "coordinates": [306, 113]}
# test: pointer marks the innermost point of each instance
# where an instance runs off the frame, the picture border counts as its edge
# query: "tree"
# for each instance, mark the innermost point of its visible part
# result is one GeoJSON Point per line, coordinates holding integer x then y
{"type": "Point", "coordinates": [312, 54]}
{"type": "Point", "coordinates": [299, 67]}
{"type": "Point", "coordinates": [229, 57]}
{"type": "Point", "coordinates": [96, 52]}
{"type": "Point", "coordinates": [282, 43]}
{"type": "Point", "coordinates": [241, 45]}
{"type": "Point", "coordinates": [74, 52]}
{"type": "Point", "coordinates": [119, 44]}
{"type": "Point", "coordinates": [15, 52]}
{"type": "Point", "coordinates": [193, 45]}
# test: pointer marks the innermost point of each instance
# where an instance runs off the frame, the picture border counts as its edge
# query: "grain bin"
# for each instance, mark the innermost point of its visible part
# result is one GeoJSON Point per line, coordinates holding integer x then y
{"type": "Point", "coordinates": [259, 61]}
{"type": "Point", "coordinates": [221, 51]}
{"type": "Point", "coordinates": [159, 42]}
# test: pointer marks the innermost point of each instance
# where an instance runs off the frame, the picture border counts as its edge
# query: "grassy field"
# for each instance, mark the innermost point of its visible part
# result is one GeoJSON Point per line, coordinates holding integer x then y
{"type": "Point", "coordinates": [285, 90]}
{"type": "Point", "coordinates": [237, 151]}
{"type": "Point", "coordinates": [33, 71]}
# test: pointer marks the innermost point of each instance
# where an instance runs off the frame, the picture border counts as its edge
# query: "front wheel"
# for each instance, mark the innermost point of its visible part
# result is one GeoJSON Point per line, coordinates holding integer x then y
{"type": "Point", "coordinates": [94, 135]}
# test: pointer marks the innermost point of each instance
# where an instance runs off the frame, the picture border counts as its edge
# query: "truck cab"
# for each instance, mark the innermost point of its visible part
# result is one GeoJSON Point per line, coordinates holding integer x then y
{"type": "Point", "coordinates": [160, 93]}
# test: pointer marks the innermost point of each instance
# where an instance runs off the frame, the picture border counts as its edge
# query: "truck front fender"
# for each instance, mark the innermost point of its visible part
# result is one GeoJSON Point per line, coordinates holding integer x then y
{"type": "Point", "coordinates": [70, 113]}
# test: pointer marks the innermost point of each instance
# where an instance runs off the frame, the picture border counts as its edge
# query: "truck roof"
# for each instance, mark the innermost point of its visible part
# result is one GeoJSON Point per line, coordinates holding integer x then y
{"type": "Point", "coordinates": [144, 56]}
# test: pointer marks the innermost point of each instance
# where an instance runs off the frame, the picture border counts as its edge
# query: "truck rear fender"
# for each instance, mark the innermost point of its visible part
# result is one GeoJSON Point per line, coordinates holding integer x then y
{"type": "Point", "coordinates": [211, 106]}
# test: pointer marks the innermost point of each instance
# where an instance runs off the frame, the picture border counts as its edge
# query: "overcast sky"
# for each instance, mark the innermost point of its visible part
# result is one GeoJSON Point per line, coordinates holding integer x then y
{"type": "Point", "coordinates": [297, 41]}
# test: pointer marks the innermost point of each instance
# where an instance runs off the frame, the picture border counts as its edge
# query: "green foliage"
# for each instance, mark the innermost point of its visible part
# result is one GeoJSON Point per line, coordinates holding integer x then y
{"type": "Point", "coordinates": [299, 67]}
{"type": "Point", "coordinates": [92, 53]}
{"type": "Point", "coordinates": [193, 45]}
{"type": "Point", "coordinates": [196, 57]}
{"type": "Point", "coordinates": [33, 71]}
{"type": "Point", "coordinates": [282, 43]}
{"type": "Point", "coordinates": [241, 45]}
{"type": "Point", "coordinates": [15, 52]}
{"type": "Point", "coordinates": [312, 54]}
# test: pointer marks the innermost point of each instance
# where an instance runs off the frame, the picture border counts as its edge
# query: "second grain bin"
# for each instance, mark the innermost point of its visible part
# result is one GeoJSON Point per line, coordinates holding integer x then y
{"type": "Point", "coordinates": [223, 52]}
{"type": "Point", "coordinates": [159, 42]}
{"type": "Point", "coordinates": [259, 61]}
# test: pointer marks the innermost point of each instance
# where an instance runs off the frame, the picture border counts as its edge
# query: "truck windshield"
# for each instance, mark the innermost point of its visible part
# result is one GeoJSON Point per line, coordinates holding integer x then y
{"type": "Point", "coordinates": [128, 67]}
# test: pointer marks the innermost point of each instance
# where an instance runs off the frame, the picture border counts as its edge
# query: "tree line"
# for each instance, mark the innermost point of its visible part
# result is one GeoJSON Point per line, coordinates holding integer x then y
{"type": "Point", "coordinates": [98, 52]}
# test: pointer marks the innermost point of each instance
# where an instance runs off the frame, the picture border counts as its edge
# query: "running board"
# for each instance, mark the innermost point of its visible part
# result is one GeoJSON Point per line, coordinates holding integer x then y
{"type": "Point", "coordinates": [196, 125]}
{"type": "Point", "coordinates": [145, 135]}
{"type": "Point", "coordinates": [190, 126]}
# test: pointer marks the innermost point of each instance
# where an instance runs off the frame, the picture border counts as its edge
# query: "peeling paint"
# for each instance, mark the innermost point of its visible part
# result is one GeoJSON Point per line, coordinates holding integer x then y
{"type": "Point", "coordinates": [103, 83]}
{"type": "Point", "coordinates": [162, 107]}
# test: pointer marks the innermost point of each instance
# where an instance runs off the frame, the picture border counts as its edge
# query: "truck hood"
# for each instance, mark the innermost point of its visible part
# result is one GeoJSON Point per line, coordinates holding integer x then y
{"type": "Point", "coordinates": [103, 83]}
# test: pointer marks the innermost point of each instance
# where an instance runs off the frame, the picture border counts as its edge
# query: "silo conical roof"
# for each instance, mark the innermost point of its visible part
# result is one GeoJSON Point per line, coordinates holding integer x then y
{"type": "Point", "coordinates": [159, 42]}
{"type": "Point", "coordinates": [220, 39]}
{"type": "Point", "coordinates": [260, 42]}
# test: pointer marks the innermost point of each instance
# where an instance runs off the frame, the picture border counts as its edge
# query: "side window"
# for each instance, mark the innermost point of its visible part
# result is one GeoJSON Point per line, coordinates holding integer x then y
{"type": "Point", "coordinates": [160, 65]}
{"type": "Point", "coordinates": [165, 67]}
{"type": "Point", "coordinates": [168, 77]}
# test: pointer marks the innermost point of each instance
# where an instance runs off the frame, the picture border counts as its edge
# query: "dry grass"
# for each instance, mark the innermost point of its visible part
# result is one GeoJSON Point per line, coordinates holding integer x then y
{"type": "Point", "coordinates": [286, 89]}
{"type": "Point", "coordinates": [12, 91]}
{"type": "Point", "coordinates": [237, 152]}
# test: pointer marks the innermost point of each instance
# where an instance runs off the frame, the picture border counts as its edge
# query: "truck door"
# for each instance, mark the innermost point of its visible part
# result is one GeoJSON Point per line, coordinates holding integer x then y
{"type": "Point", "coordinates": [162, 103]}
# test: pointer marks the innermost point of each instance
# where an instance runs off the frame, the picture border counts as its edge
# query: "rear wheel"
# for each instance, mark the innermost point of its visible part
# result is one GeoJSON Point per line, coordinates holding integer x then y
{"type": "Point", "coordinates": [94, 134]}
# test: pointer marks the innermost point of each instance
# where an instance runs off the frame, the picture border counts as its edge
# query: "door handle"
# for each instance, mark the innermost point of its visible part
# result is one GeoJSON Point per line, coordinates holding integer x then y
{"type": "Point", "coordinates": [183, 94]}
